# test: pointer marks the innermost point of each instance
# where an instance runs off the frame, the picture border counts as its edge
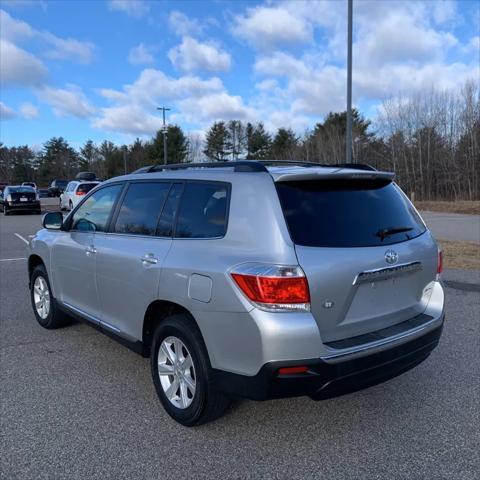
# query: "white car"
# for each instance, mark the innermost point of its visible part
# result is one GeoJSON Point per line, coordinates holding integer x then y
{"type": "Point", "coordinates": [74, 192]}
{"type": "Point", "coordinates": [30, 184]}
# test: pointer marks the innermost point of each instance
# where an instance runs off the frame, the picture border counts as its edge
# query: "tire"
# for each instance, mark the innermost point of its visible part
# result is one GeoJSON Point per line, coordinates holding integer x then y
{"type": "Point", "coordinates": [54, 318]}
{"type": "Point", "coordinates": [206, 404]}
{"type": "Point", "coordinates": [70, 205]}
{"type": "Point", "coordinates": [5, 211]}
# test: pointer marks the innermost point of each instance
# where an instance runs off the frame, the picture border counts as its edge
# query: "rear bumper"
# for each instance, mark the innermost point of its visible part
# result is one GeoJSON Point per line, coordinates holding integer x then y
{"type": "Point", "coordinates": [23, 206]}
{"type": "Point", "coordinates": [326, 380]}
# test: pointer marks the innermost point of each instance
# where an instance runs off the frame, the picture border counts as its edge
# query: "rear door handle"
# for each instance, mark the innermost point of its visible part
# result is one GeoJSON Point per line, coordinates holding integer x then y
{"type": "Point", "coordinates": [149, 258]}
{"type": "Point", "coordinates": [90, 250]}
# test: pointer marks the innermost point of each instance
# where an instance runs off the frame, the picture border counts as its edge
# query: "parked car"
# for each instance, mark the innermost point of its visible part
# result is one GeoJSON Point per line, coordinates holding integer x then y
{"type": "Point", "coordinates": [57, 187]}
{"type": "Point", "coordinates": [43, 193]}
{"type": "Point", "coordinates": [30, 184]}
{"type": "Point", "coordinates": [15, 198]}
{"type": "Point", "coordinates": [258, 280]}
{"type": "Point", "coordinates": [74, 192]}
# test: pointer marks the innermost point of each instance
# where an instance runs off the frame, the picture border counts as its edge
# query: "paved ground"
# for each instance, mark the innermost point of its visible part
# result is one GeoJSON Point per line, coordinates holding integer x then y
{"type": "Point", "coordinates": [75, 404]}
{"type": "Point", "coordinates": [452, 226]}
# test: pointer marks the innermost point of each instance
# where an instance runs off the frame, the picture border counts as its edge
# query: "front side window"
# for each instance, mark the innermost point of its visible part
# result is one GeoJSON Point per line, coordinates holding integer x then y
{"type": "Point", "coordinates": [141, 208]}
{"type": "Point", "coordinates": [203, 211]}
{"type": "Point", "coordinates": [93, 214]}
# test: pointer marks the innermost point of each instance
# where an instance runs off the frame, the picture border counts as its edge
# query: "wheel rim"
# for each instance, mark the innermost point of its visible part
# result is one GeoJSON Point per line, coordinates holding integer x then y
{"type": "Point", "coordinates": [176, 372]}
{"type": "Point", "coordinates": [41, 297]}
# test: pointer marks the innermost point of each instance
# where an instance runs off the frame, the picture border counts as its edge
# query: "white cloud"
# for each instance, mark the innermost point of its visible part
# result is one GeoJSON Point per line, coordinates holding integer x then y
{"type": "Point", "coordinates": [131, 119]}
{"type": "Point", "coordinates": [18, 67]}
{"type": "Point", "coordinates": [14, 30]}
{"type": "Point", "coordinates": [141, 54]}
{"type": "Point", "coordinates": [68, 48]}
{"type": "Point", "coordinates": [69, 102]}
{"type": "Point", "coordinates": [192, 55]}
{"type": "Point", "coordinates": [280, 64]}
{"type": "Point", "coordinates": [29, 111]}
{"type": "Point", "coordinates": [133, 8]}
{"type": "Point", "coordinates": [6, 113]}
{"type": "Point", "coordinates": [183, 26]}
{"type": "Point", "coordinates": [269, 27]}
{"type": "Point", "coordinates": [444, 11]}
{"type": "Point", "coordinates": [192, 100]}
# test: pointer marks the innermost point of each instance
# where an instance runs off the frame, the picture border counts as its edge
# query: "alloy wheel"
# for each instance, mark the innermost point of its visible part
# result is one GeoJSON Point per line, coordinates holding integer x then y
{"type": "Point", "coordinates": [41, 297]}
{"type": "Point", "coordinates": [177, 372]}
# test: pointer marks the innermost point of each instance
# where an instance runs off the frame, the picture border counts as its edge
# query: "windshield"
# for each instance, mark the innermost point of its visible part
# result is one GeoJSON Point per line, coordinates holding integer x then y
{"type": "Point", "coordinates": [346, 213]}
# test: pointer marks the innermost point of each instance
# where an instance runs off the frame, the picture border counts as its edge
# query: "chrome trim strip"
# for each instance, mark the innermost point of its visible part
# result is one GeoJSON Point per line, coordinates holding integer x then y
{"type": "Point", "coordinates": [380, 344]}
{"type": "Point", "coordinates": [93, 319]}
{"type": "Point", "coordinates": [387, 272]}
{"type": "Point", "coordinates": [87, 316]}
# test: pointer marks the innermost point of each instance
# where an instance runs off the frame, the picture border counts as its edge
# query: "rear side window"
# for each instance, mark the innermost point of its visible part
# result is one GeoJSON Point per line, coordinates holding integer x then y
{"type": "Point", "coordinates": [347, 213]}
{"type": "Point", "coordinates": [203, 211]}
{"type": "Point", "coordinates": [141, 208]}
{"type": "Point", "coordinates": [165, 225]}
{"type": "Point", "coordinates": [85, 187]}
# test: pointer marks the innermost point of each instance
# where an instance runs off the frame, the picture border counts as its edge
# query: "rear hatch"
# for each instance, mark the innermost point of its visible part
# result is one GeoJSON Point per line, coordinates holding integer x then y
{"type": "Point", "coordinates": [367, 255]}
{"type": "Point", "coordinates": [23, 195]}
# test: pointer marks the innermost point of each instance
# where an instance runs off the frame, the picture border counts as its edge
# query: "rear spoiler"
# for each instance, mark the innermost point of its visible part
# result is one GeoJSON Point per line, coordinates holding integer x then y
{"type": "Point", "coordinates": [333, 174]}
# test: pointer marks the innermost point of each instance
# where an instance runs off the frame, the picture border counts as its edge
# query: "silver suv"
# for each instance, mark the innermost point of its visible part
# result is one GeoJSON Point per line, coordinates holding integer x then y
{"type": "Point", "coordinates": [252, 279]}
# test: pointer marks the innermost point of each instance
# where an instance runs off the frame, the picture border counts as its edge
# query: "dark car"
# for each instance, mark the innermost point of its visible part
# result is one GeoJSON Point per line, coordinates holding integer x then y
{"type": "Point", "coordinates": [57, 187]}
{"type": "Point", "coordinates": [43, 192]}
{"type": "Point", "coordinates": [19, 198]}
{"type": "Point", "coordinates": [86, 177]}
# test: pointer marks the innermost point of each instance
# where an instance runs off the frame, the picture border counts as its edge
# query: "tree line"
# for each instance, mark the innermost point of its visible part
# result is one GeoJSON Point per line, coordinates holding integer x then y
{"type": "Point", "coordinates": [431, 141]}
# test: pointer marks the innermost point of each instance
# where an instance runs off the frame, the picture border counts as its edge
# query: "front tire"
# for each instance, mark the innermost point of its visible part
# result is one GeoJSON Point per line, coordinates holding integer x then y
{"type": "Point", "coordinates": [70, 205]}
{"type": "Point", "coordinates": [182, 374]}
{"type": "Point", "coordinates": [44, 305]}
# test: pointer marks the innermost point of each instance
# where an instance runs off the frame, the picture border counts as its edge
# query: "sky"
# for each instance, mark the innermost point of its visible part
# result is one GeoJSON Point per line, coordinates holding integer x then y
{"type": "Point", "coordinates": [99, 69]}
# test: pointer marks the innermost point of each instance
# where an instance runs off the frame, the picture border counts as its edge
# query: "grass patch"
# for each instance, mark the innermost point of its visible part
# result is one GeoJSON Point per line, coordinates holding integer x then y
{"type": "Point", "coordinates": [461, 206]}
{"type": "Point", "coordinates": [463, 255]}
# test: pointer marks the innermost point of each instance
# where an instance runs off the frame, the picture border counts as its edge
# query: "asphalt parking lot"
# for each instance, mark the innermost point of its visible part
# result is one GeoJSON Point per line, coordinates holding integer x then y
{"type": "Point", "coordinates": [75, 404]}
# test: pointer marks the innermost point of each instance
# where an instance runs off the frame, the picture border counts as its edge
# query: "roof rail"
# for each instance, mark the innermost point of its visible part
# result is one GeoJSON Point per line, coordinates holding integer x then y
{"type": "Point", "coordinates": [239, 166]}
{"type": "Point", "coordinates": [249, 165]}
{"type": "Point", "coordinates": [356, 166]}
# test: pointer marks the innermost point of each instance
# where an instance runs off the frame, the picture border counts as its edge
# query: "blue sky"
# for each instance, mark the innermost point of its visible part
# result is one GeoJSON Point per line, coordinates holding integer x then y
{"type": "Point", "coordinates": [98, 69]}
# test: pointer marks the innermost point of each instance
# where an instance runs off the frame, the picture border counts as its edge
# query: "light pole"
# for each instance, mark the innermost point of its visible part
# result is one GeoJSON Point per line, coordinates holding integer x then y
{"type": "Point", "coordinates": [349, 85]}
{"type": "Point", "coordinates": [164, 109]}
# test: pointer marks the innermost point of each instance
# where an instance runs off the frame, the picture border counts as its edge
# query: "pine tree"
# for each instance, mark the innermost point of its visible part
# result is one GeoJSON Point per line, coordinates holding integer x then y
{"type": "Point", "coordinates": [259, 142]}
{"type": "Point", "coordinates": [284, 145]}
{"type": "Point", "coordinates": [177, 146]}
{"type": "Point", "coordinates": [217, 139]}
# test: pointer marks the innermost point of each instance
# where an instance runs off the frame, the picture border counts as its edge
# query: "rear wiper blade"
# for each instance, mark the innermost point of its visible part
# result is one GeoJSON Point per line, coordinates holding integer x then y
{"type": "Point", "coordinates": [386, 232]}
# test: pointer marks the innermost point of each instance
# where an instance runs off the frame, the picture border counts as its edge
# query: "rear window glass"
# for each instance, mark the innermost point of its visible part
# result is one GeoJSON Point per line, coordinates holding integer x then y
{"type": "Point", "coordinates": [203, 211]}
{"type": "Point", "coordinates": [141, 208]}
{"type": "Point", "coordinates": [347, 213]}
{"type": "Point", "coordinates": [24, 189]}
{"type": "Point", "coordinates": [86, 187]}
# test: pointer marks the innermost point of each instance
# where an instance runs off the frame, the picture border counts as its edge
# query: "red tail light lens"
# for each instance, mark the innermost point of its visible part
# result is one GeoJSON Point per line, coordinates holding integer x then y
{"type": "Point", "coordinates": [292, 370]}
{"type": "Point", "coordinates": [440, 262]}
{"type": "Point", "coordinates": [81, 193]}
{"type": "Point", "coordinates": [273, 290]}
{"type": "Point", "coordinates": [273, 287]}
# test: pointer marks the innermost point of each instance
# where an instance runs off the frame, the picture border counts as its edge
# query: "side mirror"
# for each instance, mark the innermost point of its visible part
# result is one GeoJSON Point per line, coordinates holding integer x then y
{"type": "Point", "coordinates": [52, 221]}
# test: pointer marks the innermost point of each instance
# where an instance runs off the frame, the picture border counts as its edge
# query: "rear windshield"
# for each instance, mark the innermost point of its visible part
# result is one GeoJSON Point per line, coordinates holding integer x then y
{"type": "Point", "coordinates": [85, 187]}
{"type": "Point", "coordinates": [24, 189]}
{"type": "Point", "coordinates": [347, 213]}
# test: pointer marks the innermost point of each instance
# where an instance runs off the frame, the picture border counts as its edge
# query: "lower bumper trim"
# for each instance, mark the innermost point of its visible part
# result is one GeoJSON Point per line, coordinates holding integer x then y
{"type": "Point", "coordinates": [324, 380]}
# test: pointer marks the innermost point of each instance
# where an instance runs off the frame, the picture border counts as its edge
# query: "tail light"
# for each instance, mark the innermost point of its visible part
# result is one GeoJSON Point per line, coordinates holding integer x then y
{"type": "Point", "coordinates": [9, 198]}
{"type": "Point", "coordinates": [80, 193]}
{"type": "Point", "coordinates": [440, 263]}
{"type": "Point", "coordinates": [273, 287]}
